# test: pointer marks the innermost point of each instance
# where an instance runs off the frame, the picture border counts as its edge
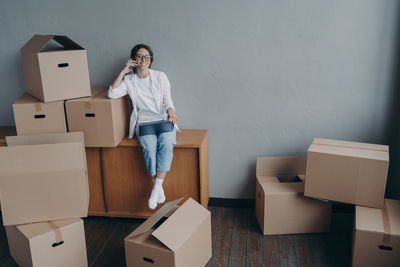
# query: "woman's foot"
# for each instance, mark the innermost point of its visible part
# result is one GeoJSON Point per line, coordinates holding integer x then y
{"type": "Point", "coordinates": [155, 193]}
{"type": "Point", "coordinates": [161, 195]}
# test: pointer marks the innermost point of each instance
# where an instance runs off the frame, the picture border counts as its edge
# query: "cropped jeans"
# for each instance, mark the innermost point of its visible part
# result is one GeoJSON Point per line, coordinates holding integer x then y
{"type": "Point", "coordinates": [157, 151]}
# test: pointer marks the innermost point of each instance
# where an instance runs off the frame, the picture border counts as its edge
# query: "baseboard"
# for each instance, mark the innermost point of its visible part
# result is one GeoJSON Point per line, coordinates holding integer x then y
{"type": "Point", "coordinates": [250, 204]}
{"type": "Point", "coordinates": [231, 202]}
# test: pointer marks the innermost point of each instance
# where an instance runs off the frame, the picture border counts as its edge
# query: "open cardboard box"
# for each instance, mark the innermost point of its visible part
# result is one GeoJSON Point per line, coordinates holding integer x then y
{"type": "Point", "coordinates": [32, 116]}
{"type": "Point", "coordinates": [281, 207]}
{"type": "Point", "coordinates": [349, 172]}
{"type": "Point", "coordinates": [55, 68]}
{"type": "Point", "coordinates": [104, 121]}
{"type": "Point", "coordinates": [376, 239]}
{"type": "Point", "coordinates": [43, 182]}
{"type": "Point", "coordinates": [48, 244]}
{"type": "Point", "coordinates": [182, 240]}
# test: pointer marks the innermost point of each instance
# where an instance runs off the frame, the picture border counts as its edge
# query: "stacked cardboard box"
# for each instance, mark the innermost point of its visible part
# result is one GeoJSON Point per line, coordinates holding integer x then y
{"type": "Point", "coordinates": [341, 171]}
{"type": "Point", "coordinates": [356, 173]}
{"type": "Point", "coordinates": [32, 116]}
{"type": "Point", "coordinates": [376, 236]}
{"type": "Point", "coordinates": [281, 207]}
{"type": "Point", "coordinates": [56, 70]}
{"type": "Point", "coordinates": [44, 192]}
{"type": "Point", "coordinates": [103, 121]}
{"type": "Point", "coordinates": [348, 172]}
{"type": "Point", "coordinates": [43, 173]}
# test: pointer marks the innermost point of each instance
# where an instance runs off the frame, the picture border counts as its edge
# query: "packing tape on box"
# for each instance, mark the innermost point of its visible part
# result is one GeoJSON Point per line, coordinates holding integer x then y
{"type": "Point", "coordinates": [38, 107]}
{"type": "Point", "coordinates": [353, 147]}
{"type": "Point", "coordinates": [386, 225]}
{"type": "Point", "coordinates": [88, 105]}
{"type": "Point", "coordinates": [57, 231]}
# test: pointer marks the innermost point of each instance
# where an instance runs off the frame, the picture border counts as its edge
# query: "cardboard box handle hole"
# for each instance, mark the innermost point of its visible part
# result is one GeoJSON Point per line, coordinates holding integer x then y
{"type": "Point", "coordinates": [40, 116]}
{"type": "Point", "coordinates": [148, 260]}
{"type": "Point", "coordinates": [63, 65]}
{"type": "Point", "coordinates": [90, 115]}
{"type": "Point", "coordinates": [385, 247]}
{"type": "Point", "coordinates": [57, 244]}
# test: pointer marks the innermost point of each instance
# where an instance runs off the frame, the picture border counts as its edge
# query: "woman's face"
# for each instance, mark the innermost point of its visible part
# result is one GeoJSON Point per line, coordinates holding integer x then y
{"type": "Point", "coordinates": [143, 59]}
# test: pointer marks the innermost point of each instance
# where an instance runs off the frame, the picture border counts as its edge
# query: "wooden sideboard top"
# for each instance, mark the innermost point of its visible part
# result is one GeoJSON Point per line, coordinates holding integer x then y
{"type": "Point", "coordinates": [185, 138]}
{"type": "Point", "coordinates": [6, 131]}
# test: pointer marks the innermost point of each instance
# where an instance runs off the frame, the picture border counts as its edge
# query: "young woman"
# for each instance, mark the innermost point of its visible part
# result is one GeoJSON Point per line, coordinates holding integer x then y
{"type": "Point", "coordinates": [150, 93]}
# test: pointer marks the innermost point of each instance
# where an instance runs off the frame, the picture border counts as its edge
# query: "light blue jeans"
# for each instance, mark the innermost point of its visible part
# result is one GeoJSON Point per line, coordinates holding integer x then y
{"type": "Point", "coordinates": [157, 151]}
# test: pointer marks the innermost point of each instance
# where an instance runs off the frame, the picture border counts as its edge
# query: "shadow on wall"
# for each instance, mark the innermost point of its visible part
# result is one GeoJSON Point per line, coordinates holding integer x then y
{"type": "Point", "coordinates": [250, 186]}
{"type": "Point", "coordinates": [393, 128]}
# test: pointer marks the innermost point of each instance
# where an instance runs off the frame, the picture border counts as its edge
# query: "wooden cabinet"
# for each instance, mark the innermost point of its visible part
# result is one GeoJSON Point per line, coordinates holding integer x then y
{"type": "Point", "coordinates": [127, 186]}
{"type": "Point", "coordinates": [118, 182]}
{"type": "Point", "coordinates": [97, 201]}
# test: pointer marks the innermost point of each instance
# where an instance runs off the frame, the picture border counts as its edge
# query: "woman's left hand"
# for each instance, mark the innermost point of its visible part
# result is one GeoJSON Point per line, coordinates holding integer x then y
{"type": "Point", "coordinates": [172, 116]}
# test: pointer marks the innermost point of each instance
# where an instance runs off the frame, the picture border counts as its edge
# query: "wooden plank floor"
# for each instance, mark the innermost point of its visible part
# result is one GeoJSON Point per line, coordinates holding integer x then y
{"type": "Point", "coordinates": [237, 241]}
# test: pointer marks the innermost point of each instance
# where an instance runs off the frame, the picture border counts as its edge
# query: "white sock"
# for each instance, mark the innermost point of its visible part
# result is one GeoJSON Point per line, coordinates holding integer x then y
{"type": "Point", "coordinates": [155, 193]}
{"type": "Point", "coordinates": [161, 194]}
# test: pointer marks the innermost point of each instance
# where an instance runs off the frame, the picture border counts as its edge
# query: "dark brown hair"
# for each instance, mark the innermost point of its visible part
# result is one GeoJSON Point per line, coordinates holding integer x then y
{"type": "Point", "coordinates": [136, 48]}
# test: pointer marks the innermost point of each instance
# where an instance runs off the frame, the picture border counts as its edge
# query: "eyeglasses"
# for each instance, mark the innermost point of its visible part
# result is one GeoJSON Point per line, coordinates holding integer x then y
{"type": "Point", "coordinates": [146, 58]}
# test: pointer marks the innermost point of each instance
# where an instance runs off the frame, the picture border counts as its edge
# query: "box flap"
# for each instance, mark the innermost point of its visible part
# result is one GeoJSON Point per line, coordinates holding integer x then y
{"type": "Point", "coordinates": [283, 188]}
{"type": "Point", "coordinates": [48, 138]}
{"type": "Point", "coordinates": [40, 158]}
{"type": "Point", "coordinates": [302, 177]}
{"type": "Point", "coordinates": [272, 166]}
{"type": "Point", "coordinates": [36, 43]}
{"type": "Point", "coordinates": [267, 179]}
{"type": "Point", "coordinates": [150, 222]}
{"type": "Point", "coordinates": [98, 94]}
{"type": "Point", "coordinates": [32, 230]}
{"type": "Point", "coordinates": [350, 149]}
{"type": "Point", "coordinates": [371, 219]}
{"type": "Point", "coordinates": [43, 43]}
{"type": "Point", "coordinates": [67, 42]}
{"type": "Point", "coordinates": [181, 224]}
{"type": "Point", "coordinates": [26, 99]}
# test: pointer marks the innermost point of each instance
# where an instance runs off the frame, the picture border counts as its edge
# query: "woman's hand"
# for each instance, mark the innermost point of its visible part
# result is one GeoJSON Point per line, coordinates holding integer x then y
{"type": "Point", "coordinates": [172, 116]}
{"type": "Point", "coordinates": [130, 64]}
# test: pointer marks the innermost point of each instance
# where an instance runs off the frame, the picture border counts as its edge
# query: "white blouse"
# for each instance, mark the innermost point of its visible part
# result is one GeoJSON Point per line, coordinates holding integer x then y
{"type": "Point", "coordinates": [160, 89]}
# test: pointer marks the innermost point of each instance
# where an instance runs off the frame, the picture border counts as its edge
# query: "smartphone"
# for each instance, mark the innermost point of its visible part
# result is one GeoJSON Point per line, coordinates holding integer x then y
{"type": "Point", "coordinates": [134, 69]}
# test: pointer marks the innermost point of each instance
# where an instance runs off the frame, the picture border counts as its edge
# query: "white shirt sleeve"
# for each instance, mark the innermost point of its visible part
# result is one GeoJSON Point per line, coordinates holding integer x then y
{"type": "Point", "coordinates": [167, 100]}
{"type": "Point", "coordinates": [120, 91]}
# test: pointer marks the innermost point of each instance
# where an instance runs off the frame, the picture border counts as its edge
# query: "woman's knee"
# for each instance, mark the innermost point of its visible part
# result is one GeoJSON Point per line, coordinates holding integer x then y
{"type": "Point", "coordinates": [166, 140]}
{"type": "Point", "coordinates": [148, 143]}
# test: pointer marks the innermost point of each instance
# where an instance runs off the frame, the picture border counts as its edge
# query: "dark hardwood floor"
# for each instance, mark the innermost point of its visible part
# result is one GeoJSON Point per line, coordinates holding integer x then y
{"type": "Point", "coordinates": [237, 241]}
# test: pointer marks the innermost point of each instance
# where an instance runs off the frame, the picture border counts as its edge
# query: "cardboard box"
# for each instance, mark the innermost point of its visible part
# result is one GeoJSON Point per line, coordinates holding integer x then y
{"type": "Point", "coordinates": [48, 244]}
{"type": "Point", "coordinates": [183, 239]}
{"type": "Point", "coordinates": [347, 172]}
{"type": "Point", "coordinates": [104, 121]}
{"type": "Point", "coordinates": [55, 68]}
{"type": "Point", "coordinates": [32, 116]}
{"type": "Point", "coordinates": [49, 138]}
{"type": "Point", "coordinates": [281, 207]}
{"type": "Point", "coordinates": [376, 240]}
{"type": "Point", "coordinates": [43, 182]}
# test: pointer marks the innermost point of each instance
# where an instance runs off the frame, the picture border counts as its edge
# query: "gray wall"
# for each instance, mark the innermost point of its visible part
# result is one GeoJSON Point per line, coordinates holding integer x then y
{"type": "Point", "coordinates": [264, 77]}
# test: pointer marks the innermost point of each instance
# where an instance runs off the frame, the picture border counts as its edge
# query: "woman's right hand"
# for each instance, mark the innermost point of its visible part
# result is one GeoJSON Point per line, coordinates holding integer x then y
{"type": "Point", "coordinates": [130, 64]}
